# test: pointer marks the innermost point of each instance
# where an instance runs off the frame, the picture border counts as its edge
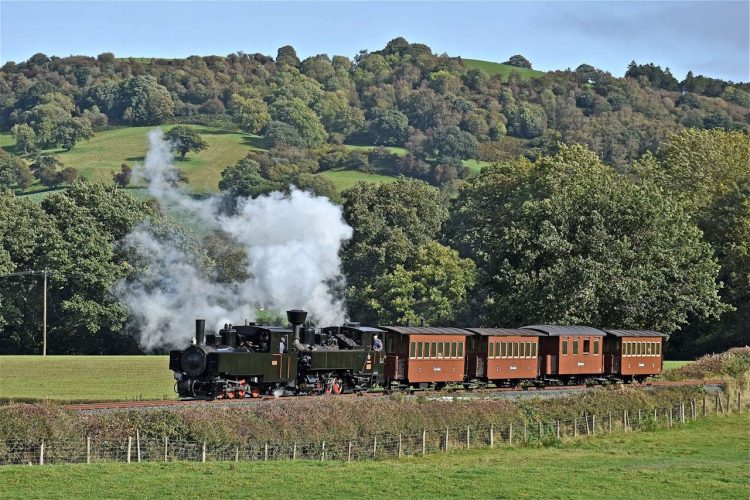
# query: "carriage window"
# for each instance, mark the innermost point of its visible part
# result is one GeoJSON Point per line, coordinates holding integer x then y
{"type": "Point", "coordinates": [515, 349]}
{"type": "Point", "coordinates": [502, 349]}
{"type": "Point", "coordinates": [460, 349]}
{"type": "Point", "coordinates": [565, 347]}
{"type": "Point", "coordinates": [596, 346]}
{"type": "Point", "coordinates": [648, 348]}
{"type": "Point", "coordinates": [658, 348]}
{"type": "Point", "coordinates": [522, 349]}
{"type": "Point", "coordinates": [454, 349]}
{"type": "Point", "coordinates": [492, 350]}
{"type": "Point", "coordinates": [413, 350]}
{"type": "Point", "coordinates": [533, 349]}
{"type": "Point", "coordinates": [575, 347]}
{"type": "Point", "coordinates": [440, 349]}
{"type": "Point", "coordinates": [640, 348]}
{"type": "Point", "coordinates": [586, 346]}
{"type": "Point", "coordinates": [419, 349]}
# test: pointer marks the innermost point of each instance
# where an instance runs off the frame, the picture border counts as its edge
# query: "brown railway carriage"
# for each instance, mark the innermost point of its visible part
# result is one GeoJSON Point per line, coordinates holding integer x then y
{"type": "Point", "coordinates": [570, 352]}
{"type": "Point", "coordinates": [502, 354]}
{"type": "Point", "coordinates": [423, 355]}
{"type": "Point", "coordinates": [633, 354]}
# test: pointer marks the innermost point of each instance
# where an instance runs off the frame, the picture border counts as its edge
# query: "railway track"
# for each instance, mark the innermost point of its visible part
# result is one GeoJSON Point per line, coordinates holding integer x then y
{"type": "Point", "coordinates": [176, 403]}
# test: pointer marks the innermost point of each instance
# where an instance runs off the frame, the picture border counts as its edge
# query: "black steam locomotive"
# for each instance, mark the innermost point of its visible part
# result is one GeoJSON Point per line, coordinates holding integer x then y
{"type": "Point", "coordinates": [251, 360]}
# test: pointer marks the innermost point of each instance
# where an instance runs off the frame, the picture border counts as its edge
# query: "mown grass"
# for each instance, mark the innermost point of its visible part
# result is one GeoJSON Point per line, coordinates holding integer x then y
{"type": "Point", "coordinates": [344, 179]}
{"type": "Point", "coordinates": [504, 70]}
{"type": "Point", "coordinates": [703, 459]}
{"type": "Point", "coordinates": [103, 154]}
{"type": "Point", "coordinates": [85, 378]}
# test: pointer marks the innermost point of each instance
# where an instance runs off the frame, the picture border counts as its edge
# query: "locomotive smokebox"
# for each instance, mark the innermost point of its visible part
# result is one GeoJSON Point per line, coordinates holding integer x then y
{"type": "Point", "coordinates": [200, 331]}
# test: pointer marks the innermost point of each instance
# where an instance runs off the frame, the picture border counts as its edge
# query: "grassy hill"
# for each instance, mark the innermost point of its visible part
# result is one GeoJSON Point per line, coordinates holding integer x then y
{"type": "Point", "coordinates": [97, 158]}
{"type": "Point", "coordinates": [492, 68]}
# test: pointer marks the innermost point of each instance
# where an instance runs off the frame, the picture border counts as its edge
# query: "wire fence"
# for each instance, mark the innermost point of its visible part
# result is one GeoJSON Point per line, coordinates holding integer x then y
{"type": "Point", "coordinates": [375, 447]}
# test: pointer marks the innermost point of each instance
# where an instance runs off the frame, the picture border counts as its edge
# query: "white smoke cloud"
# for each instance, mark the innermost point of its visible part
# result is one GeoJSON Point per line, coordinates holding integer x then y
{"type": "Point", "coordinates": [292, 243]}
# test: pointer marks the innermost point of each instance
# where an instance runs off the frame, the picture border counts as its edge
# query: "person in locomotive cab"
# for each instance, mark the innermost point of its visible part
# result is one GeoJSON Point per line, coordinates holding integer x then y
{"type": "Point", "coordinates": [377, 344]}
{"type": "Point", "coordinates": [282, 345]}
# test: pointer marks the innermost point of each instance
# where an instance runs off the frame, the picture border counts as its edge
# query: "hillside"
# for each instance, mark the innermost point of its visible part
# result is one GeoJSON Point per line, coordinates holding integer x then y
{"type": "Point", "coordinates": [493, 68]}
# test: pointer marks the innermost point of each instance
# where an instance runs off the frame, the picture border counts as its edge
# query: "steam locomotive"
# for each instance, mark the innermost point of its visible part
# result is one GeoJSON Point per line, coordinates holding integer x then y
{"type": "Point", "coordinates": [251, 360]}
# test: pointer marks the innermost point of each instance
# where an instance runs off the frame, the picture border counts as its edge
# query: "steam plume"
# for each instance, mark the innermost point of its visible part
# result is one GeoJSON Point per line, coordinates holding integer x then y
{"type": "Point", "coordinates": [292, 244]}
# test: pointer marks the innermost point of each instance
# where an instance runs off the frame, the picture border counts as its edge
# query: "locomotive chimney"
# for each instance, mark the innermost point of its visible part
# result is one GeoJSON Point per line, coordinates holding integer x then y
{"type": "Point", "coordinates": [200, 331]}
{"type": "Point", "coordinates": [297, 318]}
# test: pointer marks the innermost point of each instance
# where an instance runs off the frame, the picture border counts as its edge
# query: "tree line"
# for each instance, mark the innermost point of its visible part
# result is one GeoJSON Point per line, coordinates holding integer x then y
{"type": "Point", "coordinates": [563, 238]}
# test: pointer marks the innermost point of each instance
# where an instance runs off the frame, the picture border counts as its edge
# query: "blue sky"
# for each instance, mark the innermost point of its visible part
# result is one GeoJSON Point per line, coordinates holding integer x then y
{"type": "Point", "coordinates": [711, 38]}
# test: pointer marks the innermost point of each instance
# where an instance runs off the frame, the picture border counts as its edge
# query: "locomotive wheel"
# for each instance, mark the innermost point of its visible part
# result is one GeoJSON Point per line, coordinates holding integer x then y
{"type": "Point", "coordinates": [334, 387]}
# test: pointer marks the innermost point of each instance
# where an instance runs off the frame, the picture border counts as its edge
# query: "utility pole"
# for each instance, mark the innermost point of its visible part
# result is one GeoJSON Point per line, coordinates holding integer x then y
{"type": "Point", "coordinates": [44, 320]}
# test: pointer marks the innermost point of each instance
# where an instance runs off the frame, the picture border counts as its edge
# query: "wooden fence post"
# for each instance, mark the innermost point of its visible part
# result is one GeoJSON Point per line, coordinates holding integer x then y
{"type": "Point", "coordinates": [639, 417]}
{"type": "Point", "coordinates": [88, 449]}
{"type": "Point", "coordinates": [721, 404]}
{"type": "Point", "coordinates": [323, 451]}
{"type": "Point", "coordinates": [399, 445]}
{"type": "Point", "coordinates": [138, 445]}
{"type": "Point", "coordinates": [739, 401]}
{"type": "Point", "coordinates": [203, 455]}
{"type": "Point", "coordinates": [593, 424]}
{"type": "Point", "coordinates": [558, 430]}
{"type": "Point", "coordinates": [510, 434]}
{"type": "Point", "coordinates": [349, 454]}
{"type": "Point", "coordinates": [265, 452]}
{"type": "Point", "coordinates": [237, 453]}
{"type": "Point", "coordinates": [575, 427]}
{"type": "Point", "coordinates": [704, 404]}
{"type": "Point", "coordinates": [130, 444]}
{"type": "Point", "coordinates": [41, 453]}
{"type": "Point", "coordinates": [468, 437]}
{"type": "Point", "coordinates": [492, 436]}
{"type": "Point", "coordinates": [729, 403]}
{"type": "Point", "coordinates": [424, 441]}
{"type": "Point", "coordinates": [294, 450]}
{"type": "Point", "coordinates": [541, 430]}
{"type": "Point", "coordinates": [670, 417]}
{"type": "Point", "coordinates": [374, 446]}
{"type": "Point", "coordinates": [166, 448]}
{"type": "Point", "coordinates": [446, 439]}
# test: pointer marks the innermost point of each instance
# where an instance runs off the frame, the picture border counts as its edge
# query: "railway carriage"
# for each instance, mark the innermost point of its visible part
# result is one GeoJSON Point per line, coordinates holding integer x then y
{"type": "Point", "coordinates": [633, 354]}
{"type": "Point", "coordinates": [419, 356]}
{"type": "Point", "coordinates": [570, 353]}
{"type": "Point", "coordinates": [503, 356]}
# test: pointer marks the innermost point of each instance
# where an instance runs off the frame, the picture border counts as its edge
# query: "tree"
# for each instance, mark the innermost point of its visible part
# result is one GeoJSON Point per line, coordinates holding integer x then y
{"type": "Point", "coordinates": [337, 116]}
{"type": "Point", "coordinates": [452, 143]}
{"type": "Point", "coordinates": [13, 171]}
{"type": "Point", "coordinates": [245, 180]}
{"type": "Point", "coordinates": [519, 61]}
{"type": "Point", "coordinates": [390, 222]}
{"type": "Point", "coordinates": [282, 134]}
{"type": "Point", "coordinates": [568, 240]}
{"type": "Point", "coordinates": [251, 113]}
{"type": "Point", "coordinates": [184, 139]}
{"type": "Point", "coordinates": [432, 286]}
{"type": "Point", "coordinates": [122, 178]}
{"type": "Point", "coordinates": [286, 55]}
{"type": "Point", "coordinates": [389, 128]}
{"type": "Point", "coordinates": [295, 112]}
{"type": "Point", "coordinates": [25, 137]}
{"type": "Point", "coordinates": [141, 100]}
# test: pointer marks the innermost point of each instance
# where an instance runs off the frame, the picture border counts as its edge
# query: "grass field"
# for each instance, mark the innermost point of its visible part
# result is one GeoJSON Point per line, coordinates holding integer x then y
{"type": "Point", "coordinates": [344, 179]}
{"type": "Point", "coordinates": [703, 459]}
{"type": "Point", "coordinates": [86, 378]}
{"type": "Point", "coordinates": [492, 68]}
{"type": "Point", "coordinates": [675, 364]}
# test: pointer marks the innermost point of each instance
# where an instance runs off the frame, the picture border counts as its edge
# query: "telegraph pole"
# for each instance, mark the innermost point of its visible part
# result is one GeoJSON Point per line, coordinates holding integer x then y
{"type": "Point", "coordinates": [44, 320]}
